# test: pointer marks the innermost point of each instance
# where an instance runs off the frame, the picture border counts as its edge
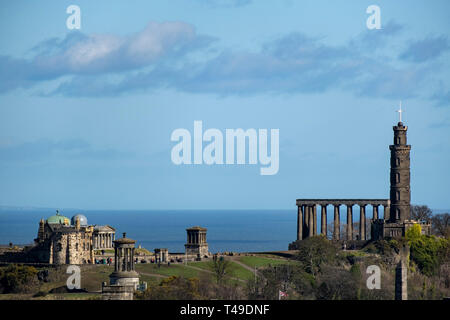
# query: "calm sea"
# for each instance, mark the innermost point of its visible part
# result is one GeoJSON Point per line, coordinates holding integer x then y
{"type": "Point", "coordinates": [228, 230]}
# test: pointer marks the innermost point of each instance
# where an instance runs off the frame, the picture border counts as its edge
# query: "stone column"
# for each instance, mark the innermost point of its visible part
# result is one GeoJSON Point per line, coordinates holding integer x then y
{"type": "Point", "coordinates": [116, 260]}
{"type": "Point", "coordinates": [362, 222]}
{"type": "Point", "coordinates": [401, 284]}
{"type": "Point", "coordinates": [375, 212]}
{"type": "Point", "coordinates": [336, 225]}
{"type": "Point", "coordinates": [315, 219]}
{"type": "Point", "coordinates": [350, 222]}
{"type": "Point", "coordinates": [300, 222]}
{"type": "Point", "coordinates": [387, 214]}
{"type": "Point", "coordinates": [323, 220]}
{"type": "Point", "coordinates": [306, 222]}
{"type": "Point", "coordinates": [310, 222]}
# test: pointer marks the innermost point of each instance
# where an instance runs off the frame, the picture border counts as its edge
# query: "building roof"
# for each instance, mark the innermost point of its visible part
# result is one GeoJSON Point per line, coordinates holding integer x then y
{"type": "Point", "coordinates": [106, 228]}
{"type": "Point", "coordinates": [83, 219]}
{"type": "Point", "coordinates": [196, 228]}
{"type": "Point", "coordinates": [125, 240]}
{"type": "Point", "coordinates": [58, 219]}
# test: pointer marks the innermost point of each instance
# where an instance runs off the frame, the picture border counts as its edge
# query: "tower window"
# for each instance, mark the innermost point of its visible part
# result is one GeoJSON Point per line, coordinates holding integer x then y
{"type": "Point", "coordinates": [397, 162]}
{"type": "Point", "coordinates": [397, 177]}
{"type": "Point", "coordinates": [397, 195]}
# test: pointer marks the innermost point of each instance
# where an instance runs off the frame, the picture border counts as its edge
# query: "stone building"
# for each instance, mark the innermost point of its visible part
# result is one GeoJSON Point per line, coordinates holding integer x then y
{"type": "Point", "coordinates": [161, 255]}
{"type": "Point", "coordinates": [124, 281]}
{"type": "Point", "coordinates": [396, 210]}
{"type": "Point", "coordinates": [398, 219]}
{"type": "Point", "coordinates": [196, 242]}
{"type": "Point", "coordinates": [124, 271]}
{"type": "Point", "coordinates": [60, 242]}
{"type": "Point", "coordinates": [103, 237]}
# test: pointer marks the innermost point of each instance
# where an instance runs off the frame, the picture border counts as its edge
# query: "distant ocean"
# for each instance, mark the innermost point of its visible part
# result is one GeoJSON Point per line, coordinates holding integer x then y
{"type": "Point", "coordinates": [228, 230]}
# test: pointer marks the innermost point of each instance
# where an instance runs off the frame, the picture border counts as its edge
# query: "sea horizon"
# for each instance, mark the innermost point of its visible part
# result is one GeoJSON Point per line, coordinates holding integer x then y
{"type": "Point", "coordinates": [246, 230]}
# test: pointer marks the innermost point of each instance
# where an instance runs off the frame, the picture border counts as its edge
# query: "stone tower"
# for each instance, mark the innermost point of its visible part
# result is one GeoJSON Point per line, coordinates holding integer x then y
{"type": "Point", "coordinates": [400, 193]}
{"type": "Point", "coordinates": [196, 245]}
{"type": "Point", "coordinates": [124, 273]}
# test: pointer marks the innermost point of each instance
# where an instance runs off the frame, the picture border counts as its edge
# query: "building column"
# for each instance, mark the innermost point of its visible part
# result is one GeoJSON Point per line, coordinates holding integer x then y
{"type": "Point", "coordinates": [300, 222]}
{"type": "Point", "coordinates": [310, 222]}
{"type": "Point", "coordinates": [305, 221]}
{"type": "Point", "coordinates": [323, 220]}
{"type": "Point", "coordinates": [350, 222]}
{"type": "Point", "coordinates": [315, 219]}
{"type": "Point", "coordinates": [116, 260]}
{"type": "Point", "coordinates": [336, 225]}
{"type": "Point", "coordinates": [375, 212]}
{"type": "Point", "coordinates": [387, 214]}
{"type": "Point", "coordinates": [362, 222]}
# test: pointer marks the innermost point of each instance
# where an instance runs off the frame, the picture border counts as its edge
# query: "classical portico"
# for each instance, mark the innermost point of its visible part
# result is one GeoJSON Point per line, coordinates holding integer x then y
{"type": "Point", "coordinates": [307, 216]}
{"type": "Point", "coordinates": [103, 237]}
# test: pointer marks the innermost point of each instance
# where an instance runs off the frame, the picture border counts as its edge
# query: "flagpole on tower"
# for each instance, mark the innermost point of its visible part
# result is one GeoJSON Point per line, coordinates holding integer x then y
{"type": "Point", "coordinates": [400, 111]}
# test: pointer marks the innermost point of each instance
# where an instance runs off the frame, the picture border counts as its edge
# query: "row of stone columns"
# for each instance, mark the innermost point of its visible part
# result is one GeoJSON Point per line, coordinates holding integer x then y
{"type": "Point", "coordinates": [124, 260]}
{"type": "Point", "coordinates": [104, 240]}
{"type": "Point", "coordinates": [196, 237]}
{"type": "Point", "coordinates": [307, 220]}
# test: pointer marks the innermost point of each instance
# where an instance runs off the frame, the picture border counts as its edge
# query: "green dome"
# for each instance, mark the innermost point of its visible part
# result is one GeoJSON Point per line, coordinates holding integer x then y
{"type": "Point", "coordinates": [60, 219]}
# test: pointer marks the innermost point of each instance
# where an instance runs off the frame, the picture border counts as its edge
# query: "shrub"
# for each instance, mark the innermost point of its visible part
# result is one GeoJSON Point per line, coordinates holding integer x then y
{"type": "Point", "coordinates": [17, 279]}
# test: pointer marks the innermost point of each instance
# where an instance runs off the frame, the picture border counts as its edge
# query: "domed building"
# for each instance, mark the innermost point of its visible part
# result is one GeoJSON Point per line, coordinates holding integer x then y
{"type": "Point", "coordinates": [83, 220]}
{"type": "Point", "coordinates": [58, 219]}
{"type": "Point", "coordinates": [60, 242]}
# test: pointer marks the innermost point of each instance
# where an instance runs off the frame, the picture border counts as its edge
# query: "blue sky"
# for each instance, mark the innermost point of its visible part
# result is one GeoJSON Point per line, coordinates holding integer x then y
{"type": "Point", "coordinates": [86, 116]}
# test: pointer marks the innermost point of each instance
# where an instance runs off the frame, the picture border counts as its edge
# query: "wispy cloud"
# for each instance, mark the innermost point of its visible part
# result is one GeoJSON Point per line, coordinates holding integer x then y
{"type": "Point", "coordinates": [80, 54]}
{"type": "Point", "coordinates": [46, 150]}
{"type": "Point", "coordinates": [426, 49]}
{"type": "Point", "coordinates": [172, 55]}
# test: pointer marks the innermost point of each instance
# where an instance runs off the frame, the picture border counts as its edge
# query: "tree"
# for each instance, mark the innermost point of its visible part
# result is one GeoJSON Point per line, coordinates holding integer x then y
{"type": "Point", "coordinates": [441, 224]}
{"type": "Point", "coordinates": [220, 267]}
{"type": "Point", "coordinates": [314, 252]}
{"type": "Point", "coordinates": [421, 213]}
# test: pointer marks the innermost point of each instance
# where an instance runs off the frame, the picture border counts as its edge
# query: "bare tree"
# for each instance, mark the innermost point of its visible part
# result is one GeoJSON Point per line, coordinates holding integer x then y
{"type": "Point", "coordinates": [421, 213]}
{"type": "Point", "coordinates": [441, 224]}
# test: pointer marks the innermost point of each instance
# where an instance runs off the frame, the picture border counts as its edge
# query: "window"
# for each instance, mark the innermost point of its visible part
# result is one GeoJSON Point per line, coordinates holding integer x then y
{"type": "Point", "coordinates": [397, 196]}
{"type": "Point", "coordinates": [397, 177]}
